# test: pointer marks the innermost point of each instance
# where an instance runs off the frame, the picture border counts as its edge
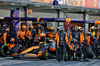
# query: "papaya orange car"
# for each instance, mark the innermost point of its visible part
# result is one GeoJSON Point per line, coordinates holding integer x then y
{"type": "Point", "coordinates": [42, 50]}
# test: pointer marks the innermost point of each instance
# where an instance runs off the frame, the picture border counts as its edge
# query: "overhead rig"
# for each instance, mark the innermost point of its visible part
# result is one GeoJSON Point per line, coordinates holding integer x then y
{"type": "Point", "coordinates": [47, 19]}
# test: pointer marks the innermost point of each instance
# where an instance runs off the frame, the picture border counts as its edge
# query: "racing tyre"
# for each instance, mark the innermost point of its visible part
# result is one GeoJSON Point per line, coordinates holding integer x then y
{"type": "Point", "coordinates": [89, 52]}
{"type": "Point", "coordinates": [3, 50]}
{"type": "Point", "coordinates": [44, 53]}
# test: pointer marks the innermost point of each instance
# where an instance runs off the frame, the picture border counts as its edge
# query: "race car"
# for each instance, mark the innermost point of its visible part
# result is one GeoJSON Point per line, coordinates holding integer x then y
{"type": "Point", "coordinates": [43, 50]}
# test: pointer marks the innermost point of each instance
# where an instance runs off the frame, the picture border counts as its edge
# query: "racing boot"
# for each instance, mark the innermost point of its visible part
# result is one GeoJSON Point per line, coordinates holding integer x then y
{"type": "Point", "coordinates": [94, 56]}
{"type": "Point", "coordinates": [86, 60]}
{"type": "Point", "coordinates": [81, 58]}
{"type": "Point", "coordinates": [72, 58]}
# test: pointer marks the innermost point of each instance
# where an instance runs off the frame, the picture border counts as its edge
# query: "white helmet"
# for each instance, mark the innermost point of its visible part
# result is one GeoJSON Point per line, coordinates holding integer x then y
{"type": "Point", "coordinates": [62, 28]}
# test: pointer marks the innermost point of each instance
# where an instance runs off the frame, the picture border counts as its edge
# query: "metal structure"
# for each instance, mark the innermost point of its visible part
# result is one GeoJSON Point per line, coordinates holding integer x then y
{"type": "Point", "coordinates": [56, 6]}
{"type": "Point", "coordinates": [46, 19]}
{"type": "Point", "coordinates": [28, 2]}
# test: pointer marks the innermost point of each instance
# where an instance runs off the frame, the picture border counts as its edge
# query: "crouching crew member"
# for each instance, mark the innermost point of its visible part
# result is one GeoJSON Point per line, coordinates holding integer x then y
{"type": "Point", "coordinates": [61, 39]}
{"type": "Point", "coordinates": [77, 36]}
{"type": "Point", "coordinates": [11, 44]}
{"type": "Point", "coordinates": [51, 34]}
{"type": "Point", "coordinates": [21, 36]}
{"type": "Point", "coordinates": [94, 43]}
{"type": "Point", "coordinates": [29, 36]}
{"type": "Point", "coordinates": [42, 38]}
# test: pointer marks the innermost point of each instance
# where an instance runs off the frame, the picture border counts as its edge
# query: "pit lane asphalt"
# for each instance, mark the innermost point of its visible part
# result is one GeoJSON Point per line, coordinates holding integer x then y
{"type": "Point", "coordinates": [9, 61]}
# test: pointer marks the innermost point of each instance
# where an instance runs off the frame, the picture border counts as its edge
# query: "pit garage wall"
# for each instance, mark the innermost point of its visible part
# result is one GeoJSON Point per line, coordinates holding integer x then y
{"type": "Point", "coordinates": [55, 24]}
{"type": "Point", "coordinates": [6, 13]}
{"type": "Point", "coordinates": [94, 17]}
{"type": "Point", "coordinates": [47, 15]}
{"type": "Point", "coordinates": [72, 16]}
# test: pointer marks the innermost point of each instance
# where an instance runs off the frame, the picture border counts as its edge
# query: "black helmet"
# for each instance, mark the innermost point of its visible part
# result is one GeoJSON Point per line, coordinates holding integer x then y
{"type": "Point", "coordinates": [62, 28]}
{"type": "Point", "coordinates": [75, 29]}
{"type": "Point", "coordinates": [58, 28]}
{"type": "Point", "coordinates": [88, 33]}
{"type": "Point", "coordinates": [29, 26]}
{"type": "Point", "coordinates": [74, 40]}
{"type": "Point", "coordinates": [82, 29]}
{"type": "Point", "coordinates": [4, 25]}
